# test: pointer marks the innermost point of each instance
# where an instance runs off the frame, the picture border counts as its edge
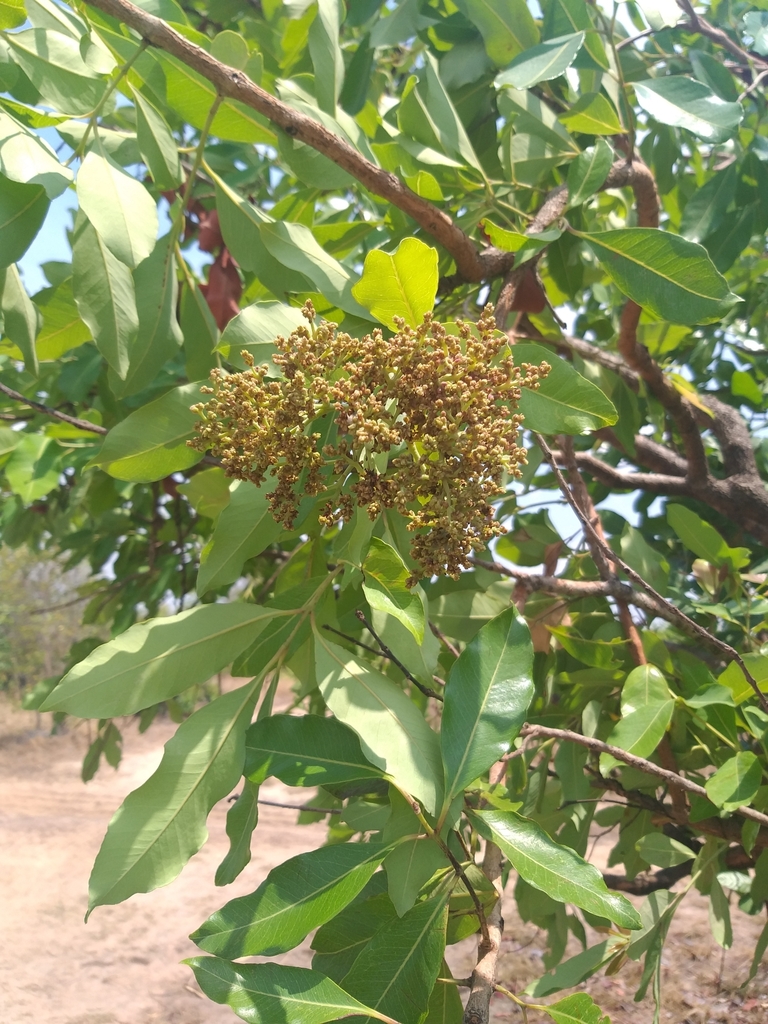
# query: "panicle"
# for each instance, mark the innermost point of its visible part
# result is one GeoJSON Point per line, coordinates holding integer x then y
{"type": "Point", "coordinates": [424, 422]}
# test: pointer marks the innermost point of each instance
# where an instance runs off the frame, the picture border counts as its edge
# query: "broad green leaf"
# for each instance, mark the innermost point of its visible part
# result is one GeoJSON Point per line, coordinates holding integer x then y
{"type": "Point", "coordinates": [743, 385]}
{"type": "Point", "coordinates": [704, 540]}
{"type": "Point", "coordinates": [592, 114]}
{"type": "Point", "coordinates": [706, 208]}
{"type": "Point", "coordinates": [53, 63]}
{"type": "Point", "coordinates": [639, 733]}
{"type": "Point", "coordinates": [720, 916]}
{"type": "Point", "coordinates": [120, 208]}
{"type": "Point", "coordinates": [159, 334]}
{"type": "Point", "coordinates": [541, 63]}
{"type": "Point", "coordinates": [207, 492]}
{"type": "Point", "coordinates": [400, 284]}
{"type": "Point", "coordinates": [735, 680]}
{"type": "Point", "coordinates": [460, 613]}
{"type": "Point", "coordinates": [392, 730]}
{"type": "Point", "coordinates": [644, 559]}
{"type": "Point", "coordinates": [9, 439]}
{"type": "Point", "coordinates": [27, 158]}
{"type": "Point", "coordinates": [663, 851]}
{"type": "Point", "coordinates": [587, 172]}
{"type": "Point", "coordinates": [62, 328]}
{"type": "Point", "coordinates": [579, 1008]}
{"type": "Point", "coordinates": [672, 278]}
{"type": "Point", "coordinates": [660, 14]}
{"type": "Point", "coordinates": [736, 783]}
{"type": "Point", "coordinates": [150, 443]}
{"type": "Point", "coordinates": [554, 869]}
{"type": "Point", "coordinates": [157, 144]}
{"type": "Point", "coordinates": [274, 994]}
{"type": "Point", "coordinates": [709, 69]}
{"type": "Point", "coordinates": [409, 866]}
{"type": "Point", "coordinates": [275, 640]}
{"type": "Point", "coordinates": [46, 14]}
{"type": "Point", "coordinates": [398, 24]}
{"type": "Point", "coordinates": [12, 13]}
{"type": "Point", "coordinates": [242, 818]}
{"type": "Point", "coordinates": [201, 334]}
{"type": "Point", "coordinates": [325, 51]}
{"type": "Point", "coordinates": [157, 659]}
{"type": "Point", "coordinates": [162, 823]}
{"type": "Point", "coordinates": [340, 942]}
{"type": "Point", "coordinates": [305, 751]}
{"type": "Point", "coordinates": [757, 959]}
{"type": "Point", "coordinates": [574, 970]}
{"type": "Point", "coordinates": [244, 529]}
{"type": "Point", "coordinates": [22, 212]}
{"type": "Point", "coordinates": [254, 330]}
{"type": "Point", "coordinates": [685, 103]}
{"type": "Point", "coordinates": [121, 147]}
{"type": "Point", "coordinates": [386, 575]}
{"type": "Point", "coordinates": [21, 317]}
{"type": "Point", "coordinates": [445, 1006]}
{"type": "Point", "coordinates": [295, 898]}
{"type": "Point", "coordinates": [507, 27]}
{"type": "Point", "coordinates": [231, 49]}
{"type": "Point", "coordinates": [34, 468]}
{"type": "Point", "coordinates": [487, 695]}
{"type": "Point", "coordinates": [644, 685]}
{"type": "Point", "coordinates": [523, 246]}
{"type": "Point", "coordinates": [397, 970]}
{"type": "Point", "coordinates": [105, 296]}
{"type": "Point", "coordinates": [565, 402]}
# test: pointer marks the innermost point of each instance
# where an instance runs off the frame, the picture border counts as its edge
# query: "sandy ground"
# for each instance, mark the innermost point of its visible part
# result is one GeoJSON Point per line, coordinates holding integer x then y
{"type": "Point", "coordinates": [123, 966]}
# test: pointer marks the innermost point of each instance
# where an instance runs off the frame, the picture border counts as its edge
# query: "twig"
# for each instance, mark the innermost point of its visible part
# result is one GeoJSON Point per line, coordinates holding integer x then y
{"type": "Point", "coordinates": [426, 690]}
{"type": "Point", "coordinates": [94, 428]}
{"type": "Point", "coordinates": [643, 765]}
{"type": "Point", "coordinates": [675, 614]}
{"type": "Point", "coordinates": [444, 640]}
{"type": "Point", "coordinates": [295, 807]}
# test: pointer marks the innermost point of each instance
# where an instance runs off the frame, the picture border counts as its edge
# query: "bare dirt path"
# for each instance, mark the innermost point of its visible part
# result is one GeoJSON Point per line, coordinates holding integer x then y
{"type": "Point", "coordinates": [123, 966]}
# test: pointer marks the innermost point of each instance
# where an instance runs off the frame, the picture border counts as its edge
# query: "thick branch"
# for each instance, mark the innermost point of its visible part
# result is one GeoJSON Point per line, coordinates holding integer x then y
{"type": "Point", "coordinates": [619, 480]}
{"type": "Point", "coordinates": [643, 765]}
{"type": "Point", "coordinates": [94, 428]}
{"type": "Point", "coordinates": [471, 264]}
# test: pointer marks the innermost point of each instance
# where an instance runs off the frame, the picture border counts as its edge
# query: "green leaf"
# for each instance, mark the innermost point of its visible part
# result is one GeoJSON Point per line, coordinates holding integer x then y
{"type": "Point", "coordinates": [386, 575]}
{"type": "Point", "coordinates": [507, 27]}
{"type": "Point", "coordinates": [162, 823]}
{"type": "Point", "coordinates": [445, 1006]}
{"type": "Point", "coordinates": [409, 866]}
{"type": "Point", "coordinates": [574, 970]}
{"type": "Point", "coordinates": [743, 385]}
{"type": "Point", "coordinates": [21, 318]}
{"type": "Point", "coordinates": [22, 212]}
{"type": "Point", "coordinates": [120, 208]}
{"type": "Point", "coordinates": [295, 898]}
{"type": "Point", "coordinates": [12, 13]}
{"type": "Point", "coordinates": [400, 284]}
{"type": "Point", "coordinates": [639, 732]}
{"type": "Point", "coordinates": [243, 530]}
{"type": "Point", "coordinates": [565, 402]}
{"type": "Point", "coordinates": [254, 330]}
{"type": "Point", "coordinates": [706, 208]}
{"type": "Point", "coordinates": [735, 680]}
{"type": "Point", "coordinates": [231, 49]}
{"type": "Point", "coordinates": [591, 114]}
{"type": "Point", "coordinates": [26, 158]}
{"type": "Point", "coordinates": [340, 942]}
{"type": "Point", "coordinates": [392, 730]}
{"type": "Point", "coordinates": [720, 916]}
{"type": "Point", "coordinates": [487, 695]}
{"type": "Point", "coordinates": [155, 660]}
{"type": "Point", "coordinates": [541, 63]}
{"type": "Point", "coordinates": [685, 103]}
{"type": "Point", "coordinates": [704, 540]}
{"type": "Point", "coordinates": [157, 145]}
{"type": "Point", "coordinates": [201, 334]}
{"type": "Point", "coordinates": [757, 959]}
{"type": "Point", "coordinates": [588, 172]}
{"type": "Point", "coordinates": [656, 848]}
{"type": "Point", "coordinates": [397, 970]}
{"type": "Point", "coordinates": [33, 469]}
{"type": "Point", "coordinates": [159, 334]}
{"type": "Point", "coordinates": [274, 994]}
{"type": "Point", "coordinates": [53, 63]}
{"type": "Point", "coordinates": [579, 1008]}
{"type": "Point", "coordinates": [644, 559]}
{"type": "Point", "coordinates": [242, 818]}
{"type": "Point", "coordinates": [554, 869]}
{"type": "Point", "coordinates": [208, 491]}
{"type": "Point", "coordinates": [736, 783]}
{"type": "Point", "coordinates": [305, 751]}
{"type": "Point", "coordinates": [644, 685]}
{"type": "Point", "coordinates": [672, 278]}
{"type": "Point", "coordinates": [150, 443]}
{"type": "Point", "coordinates": [326, 54]}
{"type": "Point", "coordinates": [62, 327]}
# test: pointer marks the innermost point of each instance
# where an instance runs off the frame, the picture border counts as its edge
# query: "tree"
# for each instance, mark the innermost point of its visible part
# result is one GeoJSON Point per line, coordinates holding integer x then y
{"type": "Point", "coordinates": [298, 388]}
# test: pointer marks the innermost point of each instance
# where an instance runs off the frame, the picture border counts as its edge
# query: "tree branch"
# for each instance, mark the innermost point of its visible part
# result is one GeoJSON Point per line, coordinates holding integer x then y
{"type": "Point", "coordinates": [471, 264]}
{"type": "Point", "coordinates": [717, 35]}
{"type": "Point", "coordinates": [643, 765]}
{"type": "Point", "coordinates": [46, 410]}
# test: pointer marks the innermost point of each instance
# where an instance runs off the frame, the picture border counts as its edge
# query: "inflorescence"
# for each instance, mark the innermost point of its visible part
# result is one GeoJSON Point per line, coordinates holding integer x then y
{"type": "Point", "coordinates": [424, 422]}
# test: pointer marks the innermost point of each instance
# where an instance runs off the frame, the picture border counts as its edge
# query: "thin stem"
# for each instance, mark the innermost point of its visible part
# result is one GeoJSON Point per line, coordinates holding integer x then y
{"type": "Point", "coordinates": [198, 160]}
{"type": "Point", "coordinates": [426, 690]}
{"type": "Point", "coordinates": [94, 428]}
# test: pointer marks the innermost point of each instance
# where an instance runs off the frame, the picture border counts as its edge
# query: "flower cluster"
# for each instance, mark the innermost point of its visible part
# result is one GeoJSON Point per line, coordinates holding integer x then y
{"type": "Point", "coordinates": [424, 422]}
